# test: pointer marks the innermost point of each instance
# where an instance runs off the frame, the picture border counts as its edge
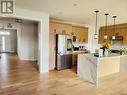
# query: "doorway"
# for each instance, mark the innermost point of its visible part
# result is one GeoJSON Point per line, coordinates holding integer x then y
{"type": "Point", "coordinates": [8, 41]}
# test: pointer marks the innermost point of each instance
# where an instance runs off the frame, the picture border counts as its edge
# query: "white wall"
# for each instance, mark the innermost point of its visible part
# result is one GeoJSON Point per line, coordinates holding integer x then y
{"type": "Point", "coordinates": [92, 43]}
{"type": "Point", "coordinates": [43, 28]}
{"type": "Point", "coordinates": [27, 41]}
{"type": "Point", "coordinates": [43, 19]}
{"type": "Point", "coordinates": [26, 37]}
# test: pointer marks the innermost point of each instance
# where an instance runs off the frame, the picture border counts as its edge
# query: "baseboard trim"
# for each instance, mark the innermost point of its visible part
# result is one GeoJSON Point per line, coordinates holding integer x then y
{"type": "Point", "coordinates": [28, 59]}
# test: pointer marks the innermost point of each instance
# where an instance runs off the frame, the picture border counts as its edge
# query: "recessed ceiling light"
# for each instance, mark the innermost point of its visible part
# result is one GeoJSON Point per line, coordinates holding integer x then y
{"type": "Point", "coordinates": [60, 13]}
{"type": "Point", "coordinates": [75, 4]}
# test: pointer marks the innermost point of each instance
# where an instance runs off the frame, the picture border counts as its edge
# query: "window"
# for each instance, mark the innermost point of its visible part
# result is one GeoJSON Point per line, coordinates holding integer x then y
{"type": "Point", "coordinates": [3, 43]}
{"type": "Point", "coordinates": [4, 33]}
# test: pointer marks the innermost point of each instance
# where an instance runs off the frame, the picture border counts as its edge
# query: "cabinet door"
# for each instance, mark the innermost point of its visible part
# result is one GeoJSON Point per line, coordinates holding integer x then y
{"type": "Point", "coordinates": [124, 36]}
{"type": "Point", "coordinates": [84, 35]}
{"type": "Point", "coordinates": [100, 40]}
{"type": "Point", "coordinates": [81, 34]}
{"type": "Point", "coordinates": [52, 45]}
{"type": "Point", "coordinates": [66, 29]}
{"type": "Point", "coordinates": [53, 28]}
{"type": "Point", "coordinates": [68, 61]}
{"type": "Point", "coordinates": [78, 34]}
{"type": "Point", "coordinates": [52, 51]}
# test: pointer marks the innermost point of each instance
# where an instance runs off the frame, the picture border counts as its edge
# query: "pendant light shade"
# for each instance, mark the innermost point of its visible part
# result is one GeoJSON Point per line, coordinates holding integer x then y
{"type": "Point", "coordinates": [96, 35]}
{"type": "Point", "coordinates": [105, 35]}
{"type": "Point", "coordinates": [114, 37]}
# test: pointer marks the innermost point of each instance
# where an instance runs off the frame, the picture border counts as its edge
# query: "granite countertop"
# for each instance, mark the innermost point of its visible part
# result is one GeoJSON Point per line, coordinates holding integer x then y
{"type": "Point", "coordinates": [81, 51]}
{"type": "Point", "coordinates": [113, 55]}
{"type": "Point", "coordinates": [94, 58]}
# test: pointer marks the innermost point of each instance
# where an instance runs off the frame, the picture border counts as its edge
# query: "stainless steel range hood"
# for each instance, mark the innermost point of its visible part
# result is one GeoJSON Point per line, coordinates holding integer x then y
{"type": "Point", "coordinates": [118, 38]}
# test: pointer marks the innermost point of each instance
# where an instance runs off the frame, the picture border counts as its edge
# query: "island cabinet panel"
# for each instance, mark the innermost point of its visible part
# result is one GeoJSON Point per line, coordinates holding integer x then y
{"type": "Point", "coordinates": [120, 30]}
{"type": "Point", "coordinates": [108, 65]}
{"type": "Point", "coordinates": [81, 34]}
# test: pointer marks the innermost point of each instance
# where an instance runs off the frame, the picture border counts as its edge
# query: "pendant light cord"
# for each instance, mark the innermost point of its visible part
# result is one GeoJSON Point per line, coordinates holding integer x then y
{"type": "Point", "coordinates": [114, 24]}
{"type": "Point", "coordinates": [106, 24]}
{"type": "Point", "coordinates": [96, 22]}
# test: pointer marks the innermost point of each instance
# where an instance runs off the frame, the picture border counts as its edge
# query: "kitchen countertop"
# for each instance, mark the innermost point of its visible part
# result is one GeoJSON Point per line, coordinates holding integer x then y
{"type": "Point", "coordinates": [82, 51]}
{"type": "Point", "coordinates": [112, 55]}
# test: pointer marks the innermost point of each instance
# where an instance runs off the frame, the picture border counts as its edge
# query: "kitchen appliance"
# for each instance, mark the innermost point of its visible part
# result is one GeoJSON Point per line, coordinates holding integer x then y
{"type": "Point", "coordinates": [115, 51]}
{"type": "Point", "coordinates": [64, 50]}
{"type": "Point", "coordinates": [76, 48]}
{"type": "Point", "coordinates": [118, 38]}
{"type": "Point", "coordinates": [74, 38]}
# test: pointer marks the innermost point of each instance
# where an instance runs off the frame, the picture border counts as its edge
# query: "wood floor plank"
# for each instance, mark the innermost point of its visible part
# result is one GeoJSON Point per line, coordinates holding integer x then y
{"type": "Point", "coordinates": [22, 78]}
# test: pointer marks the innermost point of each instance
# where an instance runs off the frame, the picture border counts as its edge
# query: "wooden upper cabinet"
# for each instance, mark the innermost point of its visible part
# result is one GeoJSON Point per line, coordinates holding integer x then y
{"type": "Point", "coordinates": [81, 34]}
{"type": "Point", "coordinates": [66, 29]}
{"type": "Point", "coordinates": [124, 31]}
{"type": "Point", "coordinates": [60, 28]}
{"type": "Point", "coordinates": [121, 30]}
{"type": "Point", "coordinates": [101, 35]}
{"type": "Point", "coordinates": [53, 28]}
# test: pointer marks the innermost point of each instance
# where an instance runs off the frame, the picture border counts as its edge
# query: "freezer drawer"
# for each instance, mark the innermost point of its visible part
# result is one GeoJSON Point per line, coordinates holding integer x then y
{"type": "Point", "coordinates": [64, 62]}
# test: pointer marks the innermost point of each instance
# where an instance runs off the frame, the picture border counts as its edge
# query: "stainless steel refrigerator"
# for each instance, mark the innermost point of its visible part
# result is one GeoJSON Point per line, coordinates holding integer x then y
{"type": "Point", "coordinates": [63, 52]}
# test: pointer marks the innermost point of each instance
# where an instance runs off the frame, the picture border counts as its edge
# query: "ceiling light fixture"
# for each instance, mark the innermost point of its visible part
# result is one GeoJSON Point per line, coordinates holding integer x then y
{"type": "Point", "coordinates": [106, 27]}
{"type": "Point", "coordinates": [96, 35]}
{"type": "Point", "coordinates": [75, 4]}
{"type": "Point", "coordinates": [18, 20]}
{"type": "Point", "coordinates": [114, 30]}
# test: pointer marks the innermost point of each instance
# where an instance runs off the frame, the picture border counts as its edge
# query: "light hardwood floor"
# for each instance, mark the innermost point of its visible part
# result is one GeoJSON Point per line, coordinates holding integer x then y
{"type": "Point", "coordinates": [22, 78]}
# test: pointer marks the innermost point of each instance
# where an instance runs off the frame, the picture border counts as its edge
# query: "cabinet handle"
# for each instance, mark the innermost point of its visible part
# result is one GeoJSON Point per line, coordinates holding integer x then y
{"type": "Point", "coordinates": [117, 34]}
{"type": "Point", "coordinates": [79, 40]}
{"type": "Point", "coordinates": [63, 32]}
{"type": "Point", "coordinates": [84, 40]}
{"type": "Point", "coordinates": [72, 33]}
{"type": "Point", "coordinates": [55, 31]}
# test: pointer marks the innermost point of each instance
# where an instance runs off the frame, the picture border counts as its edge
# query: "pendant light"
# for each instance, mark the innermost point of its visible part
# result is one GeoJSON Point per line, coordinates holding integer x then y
{"type": "Point", "coordinates": [114, 30]}
{"type": "Point", "coordinates": [96, 35]}
{"type": "Point", "coordinates": [106, 26]}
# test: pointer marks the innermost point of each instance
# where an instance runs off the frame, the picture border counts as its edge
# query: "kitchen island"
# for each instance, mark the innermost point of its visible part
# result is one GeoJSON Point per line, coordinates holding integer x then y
{"type": "Point", "coordinates": [92, 68]}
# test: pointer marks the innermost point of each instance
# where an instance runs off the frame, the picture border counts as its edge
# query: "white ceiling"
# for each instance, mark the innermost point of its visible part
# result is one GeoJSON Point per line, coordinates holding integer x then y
{"type": "Point", "coordinates": [82, 13]}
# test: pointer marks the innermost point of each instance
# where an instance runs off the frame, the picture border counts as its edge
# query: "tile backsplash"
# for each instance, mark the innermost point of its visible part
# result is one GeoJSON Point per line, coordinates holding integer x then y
{"type": "Point", "coordinates": [117, 45]}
